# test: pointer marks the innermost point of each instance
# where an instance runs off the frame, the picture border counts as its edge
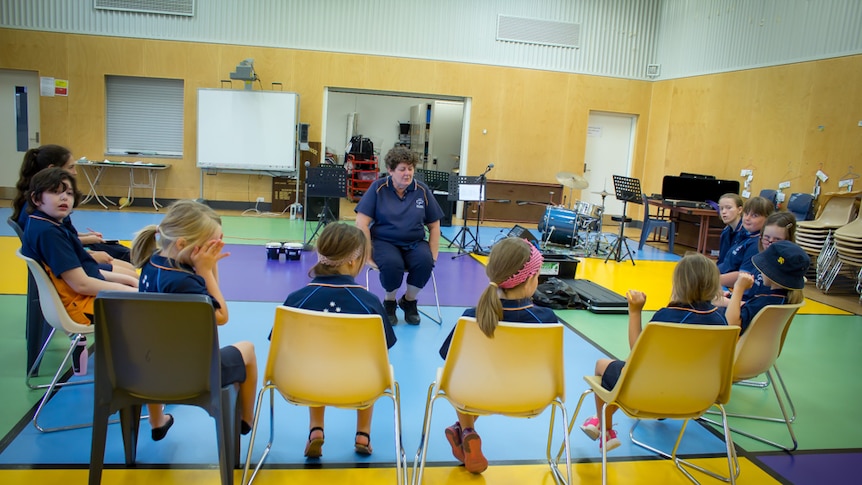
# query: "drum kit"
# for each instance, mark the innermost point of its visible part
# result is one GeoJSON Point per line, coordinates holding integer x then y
{"type": "Point", "coordinates": [562, 225]}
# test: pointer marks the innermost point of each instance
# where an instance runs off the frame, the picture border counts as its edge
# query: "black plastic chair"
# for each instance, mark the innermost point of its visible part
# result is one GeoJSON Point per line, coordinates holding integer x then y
{"type": "Point", "coordinates": [802, 206]}
{"type": "Point", "coordinates": [158, 348]}
{"type": "Point", "coordinates": [651, 224]}
{"type": "Point", "coordinates": [37, 331]}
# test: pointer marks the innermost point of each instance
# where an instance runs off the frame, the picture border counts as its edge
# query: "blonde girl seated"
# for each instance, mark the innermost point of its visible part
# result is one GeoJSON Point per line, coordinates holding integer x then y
{"type": "Point", "coordinates": [181, 255]}
{"type": "Point", "coordinates": [513, 270]}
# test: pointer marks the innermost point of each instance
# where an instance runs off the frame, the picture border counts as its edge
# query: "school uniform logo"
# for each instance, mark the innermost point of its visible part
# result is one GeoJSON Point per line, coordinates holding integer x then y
{"type": "Point", "coordinates": [420, 203]}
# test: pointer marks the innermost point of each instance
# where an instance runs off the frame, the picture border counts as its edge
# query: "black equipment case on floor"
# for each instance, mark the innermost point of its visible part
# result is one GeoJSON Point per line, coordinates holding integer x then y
{"type": "Point", "coordinates": [598, 298]}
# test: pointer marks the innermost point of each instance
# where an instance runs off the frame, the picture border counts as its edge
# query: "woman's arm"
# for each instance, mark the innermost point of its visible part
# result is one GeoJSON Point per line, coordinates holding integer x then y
{"type": "Point", "coordinates": [363, 222]}
{"type": "Point", "coordinates": [84, 284]}
{"type": "Point", "coordinates": [434, 238]}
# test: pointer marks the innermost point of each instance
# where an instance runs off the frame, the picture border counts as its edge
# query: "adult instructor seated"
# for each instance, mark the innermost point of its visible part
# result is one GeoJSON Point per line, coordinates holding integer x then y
{"type": "Point", "coordinates": [393, 214]}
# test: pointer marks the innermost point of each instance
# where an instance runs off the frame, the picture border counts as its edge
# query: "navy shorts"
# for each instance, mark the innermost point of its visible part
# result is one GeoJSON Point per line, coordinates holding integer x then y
{"type": "Point", "coordinates": [232, 365]}
{"type": "Point", "coordinates": [612, 374]}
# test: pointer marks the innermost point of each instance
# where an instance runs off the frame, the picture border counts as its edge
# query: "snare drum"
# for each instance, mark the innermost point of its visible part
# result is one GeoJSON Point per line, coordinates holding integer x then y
{"type": "Point", "coordinates": [563, 222]}
{"type": "Point", "coordinates": [584, 208]}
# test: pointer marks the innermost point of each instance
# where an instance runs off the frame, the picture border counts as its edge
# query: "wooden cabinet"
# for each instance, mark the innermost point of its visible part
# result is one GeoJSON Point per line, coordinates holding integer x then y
{"type": "Point", "coordinates": [524, 202]}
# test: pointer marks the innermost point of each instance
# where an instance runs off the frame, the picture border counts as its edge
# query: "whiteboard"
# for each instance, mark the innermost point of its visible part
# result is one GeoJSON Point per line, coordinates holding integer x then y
{"type": "Point", "coordinates": [247, 130]}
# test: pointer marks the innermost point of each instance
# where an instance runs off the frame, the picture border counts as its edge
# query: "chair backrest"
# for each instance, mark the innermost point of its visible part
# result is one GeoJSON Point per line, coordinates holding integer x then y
{"type": "Point", "coordinates": [157, 347]}
{"type": "Point", "coordinates": [677, 370]}
{"type": "Point", "coordinates": [838, 211]}
{"type": "Point", "coordinates": [328, 358]}
{"type": "Point", "coordinates": [646, 208]}
{"type": "Point", "coordinates": [15, 227]}
{"type": "Point", "coordinates": [770, 195]}
{"type": "Point", "coordinates": [49, 300]}
{"type": "Point", "coordinates": [801, 205]}
{"type": "Point", "coordinates": [518, 372]}
{"type": "Point", "coordinates": [759, 347]}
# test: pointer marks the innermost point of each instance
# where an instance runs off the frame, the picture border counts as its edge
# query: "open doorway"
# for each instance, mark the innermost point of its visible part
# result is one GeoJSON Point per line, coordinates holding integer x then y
{"type": "Point", "coordinates": [19, 125]}
{"type": "Point", "coordinates": [433, 126]}
{"type": "Point", "coordinates": [609, 151]}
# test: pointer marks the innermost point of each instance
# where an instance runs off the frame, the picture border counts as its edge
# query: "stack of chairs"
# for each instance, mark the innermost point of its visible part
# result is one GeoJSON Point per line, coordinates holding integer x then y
{"type": "Point", "coordinates": [817, 239]}
{"type": "Point", "coordinates": [847, 258]}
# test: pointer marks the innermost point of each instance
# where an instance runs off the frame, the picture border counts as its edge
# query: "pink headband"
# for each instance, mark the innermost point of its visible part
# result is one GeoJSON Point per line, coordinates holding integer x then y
{"type": "Point", "coordinates": [336, 263]}
{"type": "Point", "coordinates": [531, 267]}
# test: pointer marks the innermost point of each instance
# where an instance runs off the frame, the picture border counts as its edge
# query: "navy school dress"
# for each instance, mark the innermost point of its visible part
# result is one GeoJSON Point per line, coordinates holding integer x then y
{"type": "Point", "coordinates": [516, 311]}
{"type": "Point", "coordinates": [340, 294]}
{"type": "Point", "coordinates": [163, 275]}
{"type": "Point", "coordinates": [699, 313]}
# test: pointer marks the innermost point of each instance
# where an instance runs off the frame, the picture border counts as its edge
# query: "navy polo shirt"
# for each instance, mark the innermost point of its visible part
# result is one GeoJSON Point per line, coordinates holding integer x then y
{"type": "Point", "coordinates": [700, 313]}
{"type": "Point", "coordinates": [754, 305]}
{"type": "Point", "coordinates": [730, 236]}
{"type": "Point", "coordinates": [518, 311]}
{"type": "Point", "coordinates": [739, 256]}
{"type": "Point", "coordinates": [47, 241]}
{"type": "Point", "coordinates": [340, 294]}
{"type": "Point", "coordinates": [164, 275]}
{"type": "Point", "coordinates": [399, 220]}
{"type": "Point", "coordinates": [23, 218]}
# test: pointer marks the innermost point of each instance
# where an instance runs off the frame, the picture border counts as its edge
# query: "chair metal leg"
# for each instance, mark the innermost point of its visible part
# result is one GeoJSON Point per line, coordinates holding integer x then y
{"type": "Point", "coordinates": [34, 369]}
{"type": "Point", "coordinates": [439, 320]}
{"type": "Point", "coordinates": [573, 420]}
{"type": "Point", "coordinates": [50, 391]}
{"type": "Point", "coordinates": [419, 459]}
{"type": "Point", "coordinates": [268, 447]}
{"type": "Point", "coordinates": [558, 477]}
{"type": "Point", "coordinates": [400, 456]}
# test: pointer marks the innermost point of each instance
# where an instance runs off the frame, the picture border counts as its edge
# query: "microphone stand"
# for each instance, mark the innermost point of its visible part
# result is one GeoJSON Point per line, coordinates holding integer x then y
{"type": "Point", "coordinates": [479, 208]}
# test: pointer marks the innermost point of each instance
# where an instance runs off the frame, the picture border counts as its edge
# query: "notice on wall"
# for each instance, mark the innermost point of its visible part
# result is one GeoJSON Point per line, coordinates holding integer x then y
{"type": "Point", "coordinates": [46, 86]}
{"type": "Point", "coordinates": [594, 131]}
{"type": "Point", "coordinates": [61, 87]}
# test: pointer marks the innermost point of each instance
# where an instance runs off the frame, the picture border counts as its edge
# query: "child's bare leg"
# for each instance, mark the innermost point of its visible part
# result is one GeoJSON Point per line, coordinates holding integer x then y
{"type": "Point", "coordinates": [601, 366]}
{"type": "Point", "coordinates": [157, 418]}
{"type": "Point", "coordinates": [248, 388]}
{"type": "Point", "coordinates": [467, 420]}
{"type": "Point", "coordinates": [363, 430]}
{"type": "Point", "coordinates": [315, 418]}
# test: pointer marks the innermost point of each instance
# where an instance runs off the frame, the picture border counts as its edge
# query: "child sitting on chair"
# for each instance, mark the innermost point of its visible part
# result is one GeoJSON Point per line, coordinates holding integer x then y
{"type": "Point", "coordinates": [695, 284]}
{"type": "Point", "coordinates": [341, 251]}
{"type": "Point", "coordinates": [513, 270]}
{"type": "Point", "coordinates": [754, 214]}
{"type": "Point", "coordinates": [75, 274]}
{"type": "Point", "coordinates": [184, 259]}
{"type": "Point", "coordinates": [783, 265]}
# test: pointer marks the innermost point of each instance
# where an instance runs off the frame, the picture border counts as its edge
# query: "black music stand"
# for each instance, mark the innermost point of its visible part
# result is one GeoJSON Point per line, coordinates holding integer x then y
{"type": "Point", "coordinates": [626, 189]}
{"type": "Point", "coordinates": [466, 189]}
{"type": "Point", "coordinates": [327, 182]}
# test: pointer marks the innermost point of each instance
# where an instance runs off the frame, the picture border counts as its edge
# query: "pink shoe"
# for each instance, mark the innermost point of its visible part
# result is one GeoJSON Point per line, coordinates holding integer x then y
{"type": "Point", "coordinates": [453, 436]}
{"type": "Point", "coordinates": [592, 427]}
{"type": "Point", "coordinates": [611, 440]}
{"type": "Point", "coordinates": [471, 443]}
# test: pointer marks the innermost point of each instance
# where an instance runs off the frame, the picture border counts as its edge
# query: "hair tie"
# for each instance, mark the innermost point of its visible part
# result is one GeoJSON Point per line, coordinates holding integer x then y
{"type": "Point", "coordinates": [338, 262]}
{"type": "Point", "coordinates": [531, 267]}
{"type": "Point", "coordinates": [494, 284]}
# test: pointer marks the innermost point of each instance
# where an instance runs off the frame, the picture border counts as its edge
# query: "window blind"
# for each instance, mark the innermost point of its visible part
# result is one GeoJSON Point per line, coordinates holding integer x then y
{"type": "Point", "coordinates": [144, 116]}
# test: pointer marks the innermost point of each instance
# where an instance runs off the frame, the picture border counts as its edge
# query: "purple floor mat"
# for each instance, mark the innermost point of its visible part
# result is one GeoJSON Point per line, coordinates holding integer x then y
{"type": "Point", "coordinates": [247, 275]}
{"type": "Point", "coordinates": [815, 468]}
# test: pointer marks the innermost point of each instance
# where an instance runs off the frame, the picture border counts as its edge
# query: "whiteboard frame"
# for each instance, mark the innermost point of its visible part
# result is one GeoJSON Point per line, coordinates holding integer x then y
{"type": "Point", "coordinates": [247, 130]}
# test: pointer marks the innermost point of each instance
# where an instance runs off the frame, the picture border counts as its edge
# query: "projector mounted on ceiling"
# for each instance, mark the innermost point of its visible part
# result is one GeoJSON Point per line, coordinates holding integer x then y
{"type": "Point", "coordinates": [244, 71]}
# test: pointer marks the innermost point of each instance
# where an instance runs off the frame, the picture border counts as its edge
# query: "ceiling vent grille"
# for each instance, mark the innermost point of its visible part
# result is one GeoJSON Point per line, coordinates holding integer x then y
{"type": "Point", "coordinates": [535, 31]}
{"type": "Point", "coordinates": [185, 8]}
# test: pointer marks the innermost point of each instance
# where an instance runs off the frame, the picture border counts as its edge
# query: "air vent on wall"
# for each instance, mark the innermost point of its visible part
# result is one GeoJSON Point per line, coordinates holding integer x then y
{"type": "Point", "coordinates": [165, 7]}
{"type": "Point", "coordinates": [653, 70]}
{"type": "Point", "coordinates": [535, 31]}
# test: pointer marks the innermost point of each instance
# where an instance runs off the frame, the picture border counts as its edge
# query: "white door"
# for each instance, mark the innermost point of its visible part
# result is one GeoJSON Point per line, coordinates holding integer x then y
{"type": "Point", "coordinates": [610, 145]}
{"type": "Point", "coordinates": [19, 121]}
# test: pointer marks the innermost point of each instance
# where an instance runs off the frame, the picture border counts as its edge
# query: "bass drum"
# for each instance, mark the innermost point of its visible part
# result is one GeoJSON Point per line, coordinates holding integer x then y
{"type": "Point", "coordinates": [560, 223]}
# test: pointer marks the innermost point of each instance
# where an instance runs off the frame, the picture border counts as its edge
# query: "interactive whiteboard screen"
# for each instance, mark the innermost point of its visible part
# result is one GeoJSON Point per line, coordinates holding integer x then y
{"type": "Point", "coordinates": [247, 130]}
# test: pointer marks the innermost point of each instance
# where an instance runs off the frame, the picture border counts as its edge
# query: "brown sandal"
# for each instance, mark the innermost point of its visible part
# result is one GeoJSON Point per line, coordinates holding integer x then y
{"type": "Point", "coordinates": [314, 447]}
{"type": "Point", "coordinates": [363, 449]}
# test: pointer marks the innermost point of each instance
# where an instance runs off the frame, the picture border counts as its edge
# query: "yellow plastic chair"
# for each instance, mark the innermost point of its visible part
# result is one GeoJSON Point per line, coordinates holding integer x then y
{"type": "Point", "coordinates": [756, 353]}
{"type": "Point", "coordinates": [327, 359]}
{"type": "Point", "coordinates": [439, 319]}
{"type": "Point", "coordinates": [518, 373]}
{"type": "Point", "coordinates": [56, 316]}
{"type": "Point", "coordinates": [675, 371]}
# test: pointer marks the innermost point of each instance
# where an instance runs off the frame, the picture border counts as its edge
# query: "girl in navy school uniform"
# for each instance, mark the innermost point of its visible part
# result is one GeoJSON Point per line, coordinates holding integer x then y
{"type": "Point", "coordinates": [181, 255]}
{"type": "Point", "coordinates": [341, 255]}
{"type": "Point", "coordinates": [111, 257]}
{"type": "Point", "coordinates": [754, 214]}
{"type": "Point", "coordinates": [513, 270]}
{"type": "Point", "coordinates": [783, 265]}
{"type": "Point", "coordinates": [76, 275]}
{"type": "Point", "coordinates": [730, 210]}
{"type": "Point", "coordinates": [695, 285]}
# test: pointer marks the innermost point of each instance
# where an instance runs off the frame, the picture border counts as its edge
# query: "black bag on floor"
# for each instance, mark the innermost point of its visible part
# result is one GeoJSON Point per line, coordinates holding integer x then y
{"type": "Point", "coordinates": [555, 293]}
{"type": "Point", "coordinates": [361, 148]}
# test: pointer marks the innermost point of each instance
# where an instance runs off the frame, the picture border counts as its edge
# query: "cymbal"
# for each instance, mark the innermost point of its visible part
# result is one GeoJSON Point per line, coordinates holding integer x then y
{"type": "Point", "coordinates": [572, 180]}
{"type": "Point", "coordinates": [603, 193]}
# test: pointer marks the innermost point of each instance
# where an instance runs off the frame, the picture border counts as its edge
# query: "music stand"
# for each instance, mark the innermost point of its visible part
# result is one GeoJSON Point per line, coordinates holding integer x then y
{"type": "Point", "coordinates": [466, 189]}
{"type": "Point", "coordinates": [626, 189]}
{"type": "Point", "coordinates": [326, 182]}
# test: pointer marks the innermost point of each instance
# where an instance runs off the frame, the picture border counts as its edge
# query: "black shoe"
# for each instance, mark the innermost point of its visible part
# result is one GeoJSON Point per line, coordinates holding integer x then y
{"type": "Point", "coordinates": [390, 306]}
{"type": "Point", "coordinates": [411, 311]}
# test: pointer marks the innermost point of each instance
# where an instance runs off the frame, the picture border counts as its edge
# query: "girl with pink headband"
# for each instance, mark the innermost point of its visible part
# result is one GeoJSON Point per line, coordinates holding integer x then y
{"type": "Point", "coordinates": [513, 270]}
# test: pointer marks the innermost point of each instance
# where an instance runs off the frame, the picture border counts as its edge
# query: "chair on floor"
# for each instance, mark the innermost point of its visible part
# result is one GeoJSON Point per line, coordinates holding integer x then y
{"type": "Point", "coordinates": [518, 373]}
{"type": "Point", "coordinates": [327, 359]}
{"type": "Point", "coordinates": [55, 314]}
{"type": "Point", "coordinates": [653, 224]}
{"type": "Point", "coordinates": [802, 206]}
{"type": "Point", "coordinates": [675, 371]}
{"type": "Point", "coordinates": [756, 353]}
{"type": "Point", "coordinates": [37, 331]}
{"type": "Point", "coordinates": [439, 319]}
{"type": "Point", "coordinates": [159, 348]}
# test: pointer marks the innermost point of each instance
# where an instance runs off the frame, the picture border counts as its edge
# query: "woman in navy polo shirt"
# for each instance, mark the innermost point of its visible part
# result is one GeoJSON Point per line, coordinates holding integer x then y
{"type": "Point", "coordinates": [393, 214]}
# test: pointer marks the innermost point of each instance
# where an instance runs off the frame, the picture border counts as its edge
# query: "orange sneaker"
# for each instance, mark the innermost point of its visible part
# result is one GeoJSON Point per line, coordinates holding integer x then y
{"type": "Point", "coordinates": [453, 436]}
{"type": "Point", "coordinates": [471, 443]}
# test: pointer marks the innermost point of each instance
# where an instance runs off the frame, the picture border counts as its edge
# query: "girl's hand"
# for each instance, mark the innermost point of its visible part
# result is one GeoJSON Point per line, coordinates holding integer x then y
{"type": "Point", "coordinates": [743, 282]}
{"type": "Point", "coordinates": [90, 238]}
{"type": "Point", "coordinates": [204, 258]}
{"type": "Point", "coordinates": [636, 299]}
{"type": "Point", "coordinates": [101, 257]}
